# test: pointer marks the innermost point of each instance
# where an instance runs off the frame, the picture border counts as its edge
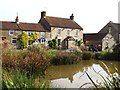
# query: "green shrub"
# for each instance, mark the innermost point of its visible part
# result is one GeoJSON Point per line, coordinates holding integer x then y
{"type": "Point", "coordinates": [23, 40]}
{"type": "Point", "coordinates": [117, 48]}
{"type": "Point", "coordinates": [63, 58]}
{"type": "Point", "coordinates": [87, 55]}
{"type": "Point", "coordinates": [107, 56]}
{"type": "Point", "coordinates": [53, 43]}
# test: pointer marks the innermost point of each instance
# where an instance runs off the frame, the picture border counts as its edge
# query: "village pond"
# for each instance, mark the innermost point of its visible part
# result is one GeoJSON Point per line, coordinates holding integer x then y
{"type": "Point", "coordinates": [74, 76]}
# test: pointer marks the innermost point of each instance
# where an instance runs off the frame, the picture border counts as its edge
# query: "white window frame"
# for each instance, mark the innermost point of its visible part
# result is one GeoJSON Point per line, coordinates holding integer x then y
{"type": "Point", "coordinates": [29, 33]}
{"type": "Point", "coordinates": [59, 31]}
{"type": "Point", "coordinates": [10, 32]}
{"type": "Point", "coordinates": [77, 33]}
{"type": "Point", "coordinates": [14, 39]}
{"type": "Point", "coordinates": [42, 41]}
{"type": "Point", "coordinates": [68, 33]}
{"type": "Point", "coordinates": [42, 34]}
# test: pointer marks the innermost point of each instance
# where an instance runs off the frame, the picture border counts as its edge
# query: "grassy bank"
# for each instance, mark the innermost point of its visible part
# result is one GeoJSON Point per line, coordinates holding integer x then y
{"type": "Point", "coordinates": [25, 68]}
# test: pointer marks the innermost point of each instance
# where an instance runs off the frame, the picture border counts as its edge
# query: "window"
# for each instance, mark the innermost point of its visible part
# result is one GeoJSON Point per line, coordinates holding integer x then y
{"type": "Point", "coordinates": [59, 32]}
{"type": "Point", "coordinates": [68, 32]}
{"type": "Point", "coordinates": [42, 34]}
{"type": "Point", "coordinates": [59, 41]}
{"type": "Point", "coordinates": [76, 34]}
{"type": "Point", "coordinates": [76, 41]}
{"type": "Point", "coordinates": [11, 32]}
{"type": "Point", "coordinates": [14, 40]}
{"type": "Point", "coordinates": [30, 42]}
{"type": "Point", "coordinates": [43, 40]}
{"type": "Point", "coordinates": [29, 33]}
{"type": "Point", "coordinates": [109, 29]}
{"type": "Point", "coordinates": [3, 38]}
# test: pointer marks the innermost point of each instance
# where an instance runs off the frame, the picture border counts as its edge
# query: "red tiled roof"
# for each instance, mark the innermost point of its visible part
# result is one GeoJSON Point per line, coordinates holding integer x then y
{"type": "Point", "coordinates": [62, 22]}
{"type": "Point", "coordinates": [9, 25]}
{"type": "Point", "coordinates": [31, 27]}
{"type": "Point", "coordinates": [22, 26]}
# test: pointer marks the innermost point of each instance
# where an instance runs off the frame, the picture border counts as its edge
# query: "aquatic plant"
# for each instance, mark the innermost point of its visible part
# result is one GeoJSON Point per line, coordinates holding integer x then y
{"type": "Point", "coordinates": [109, 82]}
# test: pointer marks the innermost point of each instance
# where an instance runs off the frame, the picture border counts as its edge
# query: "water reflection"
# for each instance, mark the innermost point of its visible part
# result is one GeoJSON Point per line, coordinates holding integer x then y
{"type": "Point", "coordinates": [74, 76]}
{"type": "Point", "coordinates": [80, 79]}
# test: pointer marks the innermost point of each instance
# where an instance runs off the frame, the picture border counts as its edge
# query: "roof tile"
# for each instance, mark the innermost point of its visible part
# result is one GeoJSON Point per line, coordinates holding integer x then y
{"type": "Point", "coordinates": [62, 22]}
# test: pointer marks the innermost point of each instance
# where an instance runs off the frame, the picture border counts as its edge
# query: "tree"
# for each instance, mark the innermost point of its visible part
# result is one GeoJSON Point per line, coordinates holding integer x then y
{"type": "Point", "coordinates": [80, 42]}
{"type": "Point", "coordinates": [23, 40]}
{"type": "Point", "coordinates": [53, 43]}
{"type": "Point", "coordinates": [33, 36]}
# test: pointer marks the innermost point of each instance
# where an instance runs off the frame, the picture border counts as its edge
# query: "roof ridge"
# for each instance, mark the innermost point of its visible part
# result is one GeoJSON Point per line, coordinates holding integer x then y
{"type": "Point", "coordinates": [58, 17]}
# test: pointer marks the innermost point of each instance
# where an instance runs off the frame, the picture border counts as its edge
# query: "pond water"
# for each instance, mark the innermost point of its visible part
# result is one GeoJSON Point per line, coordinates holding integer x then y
{"type": "Point", "coordinates": [74, 76]}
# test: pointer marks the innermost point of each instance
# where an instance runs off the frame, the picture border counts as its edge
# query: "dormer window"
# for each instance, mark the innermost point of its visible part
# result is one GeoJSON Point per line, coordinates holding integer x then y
{"type": "Point", "coordinates": [11, 32]}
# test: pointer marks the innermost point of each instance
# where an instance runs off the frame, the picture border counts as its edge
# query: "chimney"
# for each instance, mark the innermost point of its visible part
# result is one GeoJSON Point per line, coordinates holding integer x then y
{"type": "Point", "coordinates": [43, 14]}
{"type": "Point", "coordinates": [72, 17]}
{"type": "Point", "coordinates": [17, 20]}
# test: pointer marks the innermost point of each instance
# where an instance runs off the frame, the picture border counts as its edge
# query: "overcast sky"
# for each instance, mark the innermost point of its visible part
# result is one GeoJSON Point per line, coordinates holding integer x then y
{"type": "Point", "coordinates": [91, 15]}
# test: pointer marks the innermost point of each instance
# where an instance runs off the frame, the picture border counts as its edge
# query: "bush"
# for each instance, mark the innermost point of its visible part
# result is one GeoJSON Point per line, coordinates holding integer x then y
{"type": "Point", "coordinates": [35, 62]}
{"type": "Point", "coordinates": [63, 58]}
{"type": "Point", "coordinates": [107, 56]}
{"type": "Point", "coordinates": [26, 61]}
{"type": "Point", "coordinates": [87, 55]}
{"type": "Point", "coordinates": [117, 48]}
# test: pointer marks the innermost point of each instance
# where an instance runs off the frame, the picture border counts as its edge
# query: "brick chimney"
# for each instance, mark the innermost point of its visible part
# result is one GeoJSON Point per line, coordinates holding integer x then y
{"type": "Point", "coordinates": [72, 17]}
{"type": "Point", "coordinates": [43, 14]}
{"type": "Point", "coordinates": [17, 20]}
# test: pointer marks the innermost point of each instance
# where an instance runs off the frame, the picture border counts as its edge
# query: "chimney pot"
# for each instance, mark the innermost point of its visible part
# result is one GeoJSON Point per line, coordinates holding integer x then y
{"type": "Point", "coordinates": [17, 20]}
{"type": "Point", "coordinates": [43, 14]}
{"type": "Point", "coordinates": [72, 17]}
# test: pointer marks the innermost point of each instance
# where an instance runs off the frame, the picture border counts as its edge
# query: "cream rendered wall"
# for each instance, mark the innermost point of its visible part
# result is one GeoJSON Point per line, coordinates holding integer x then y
{"type": "Point", "coordinates": [63, 34]}
{"type": "Point", "coordinates": [110, 40]}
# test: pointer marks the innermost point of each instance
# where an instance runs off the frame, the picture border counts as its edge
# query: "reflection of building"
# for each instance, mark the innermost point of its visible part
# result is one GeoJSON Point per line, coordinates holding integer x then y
{"type": "Point", "coordinates": [66, 30]}
{"type": "Point", "coordinates": [106, 37]}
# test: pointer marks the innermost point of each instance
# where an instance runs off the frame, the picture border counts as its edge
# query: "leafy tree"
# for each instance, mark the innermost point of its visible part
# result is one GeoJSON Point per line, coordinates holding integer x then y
{"type": "Point", "coordinates": [53, 43]}
{"type": "Point", "coordinates": [33, 36]}
{"type": "Point", "coordinates": [80, 42]}
{"type": "Point", "coordinates": [23, 40]}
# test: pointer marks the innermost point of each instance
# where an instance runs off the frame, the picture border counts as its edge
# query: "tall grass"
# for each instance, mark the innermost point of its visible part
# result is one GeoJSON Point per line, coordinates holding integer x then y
{"type": "Point", "coordinates": [63, 58]}
{"type": "Point", "coordinates": [15, 79]}
{"type": "Point", "coordinates": [29, 61]}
